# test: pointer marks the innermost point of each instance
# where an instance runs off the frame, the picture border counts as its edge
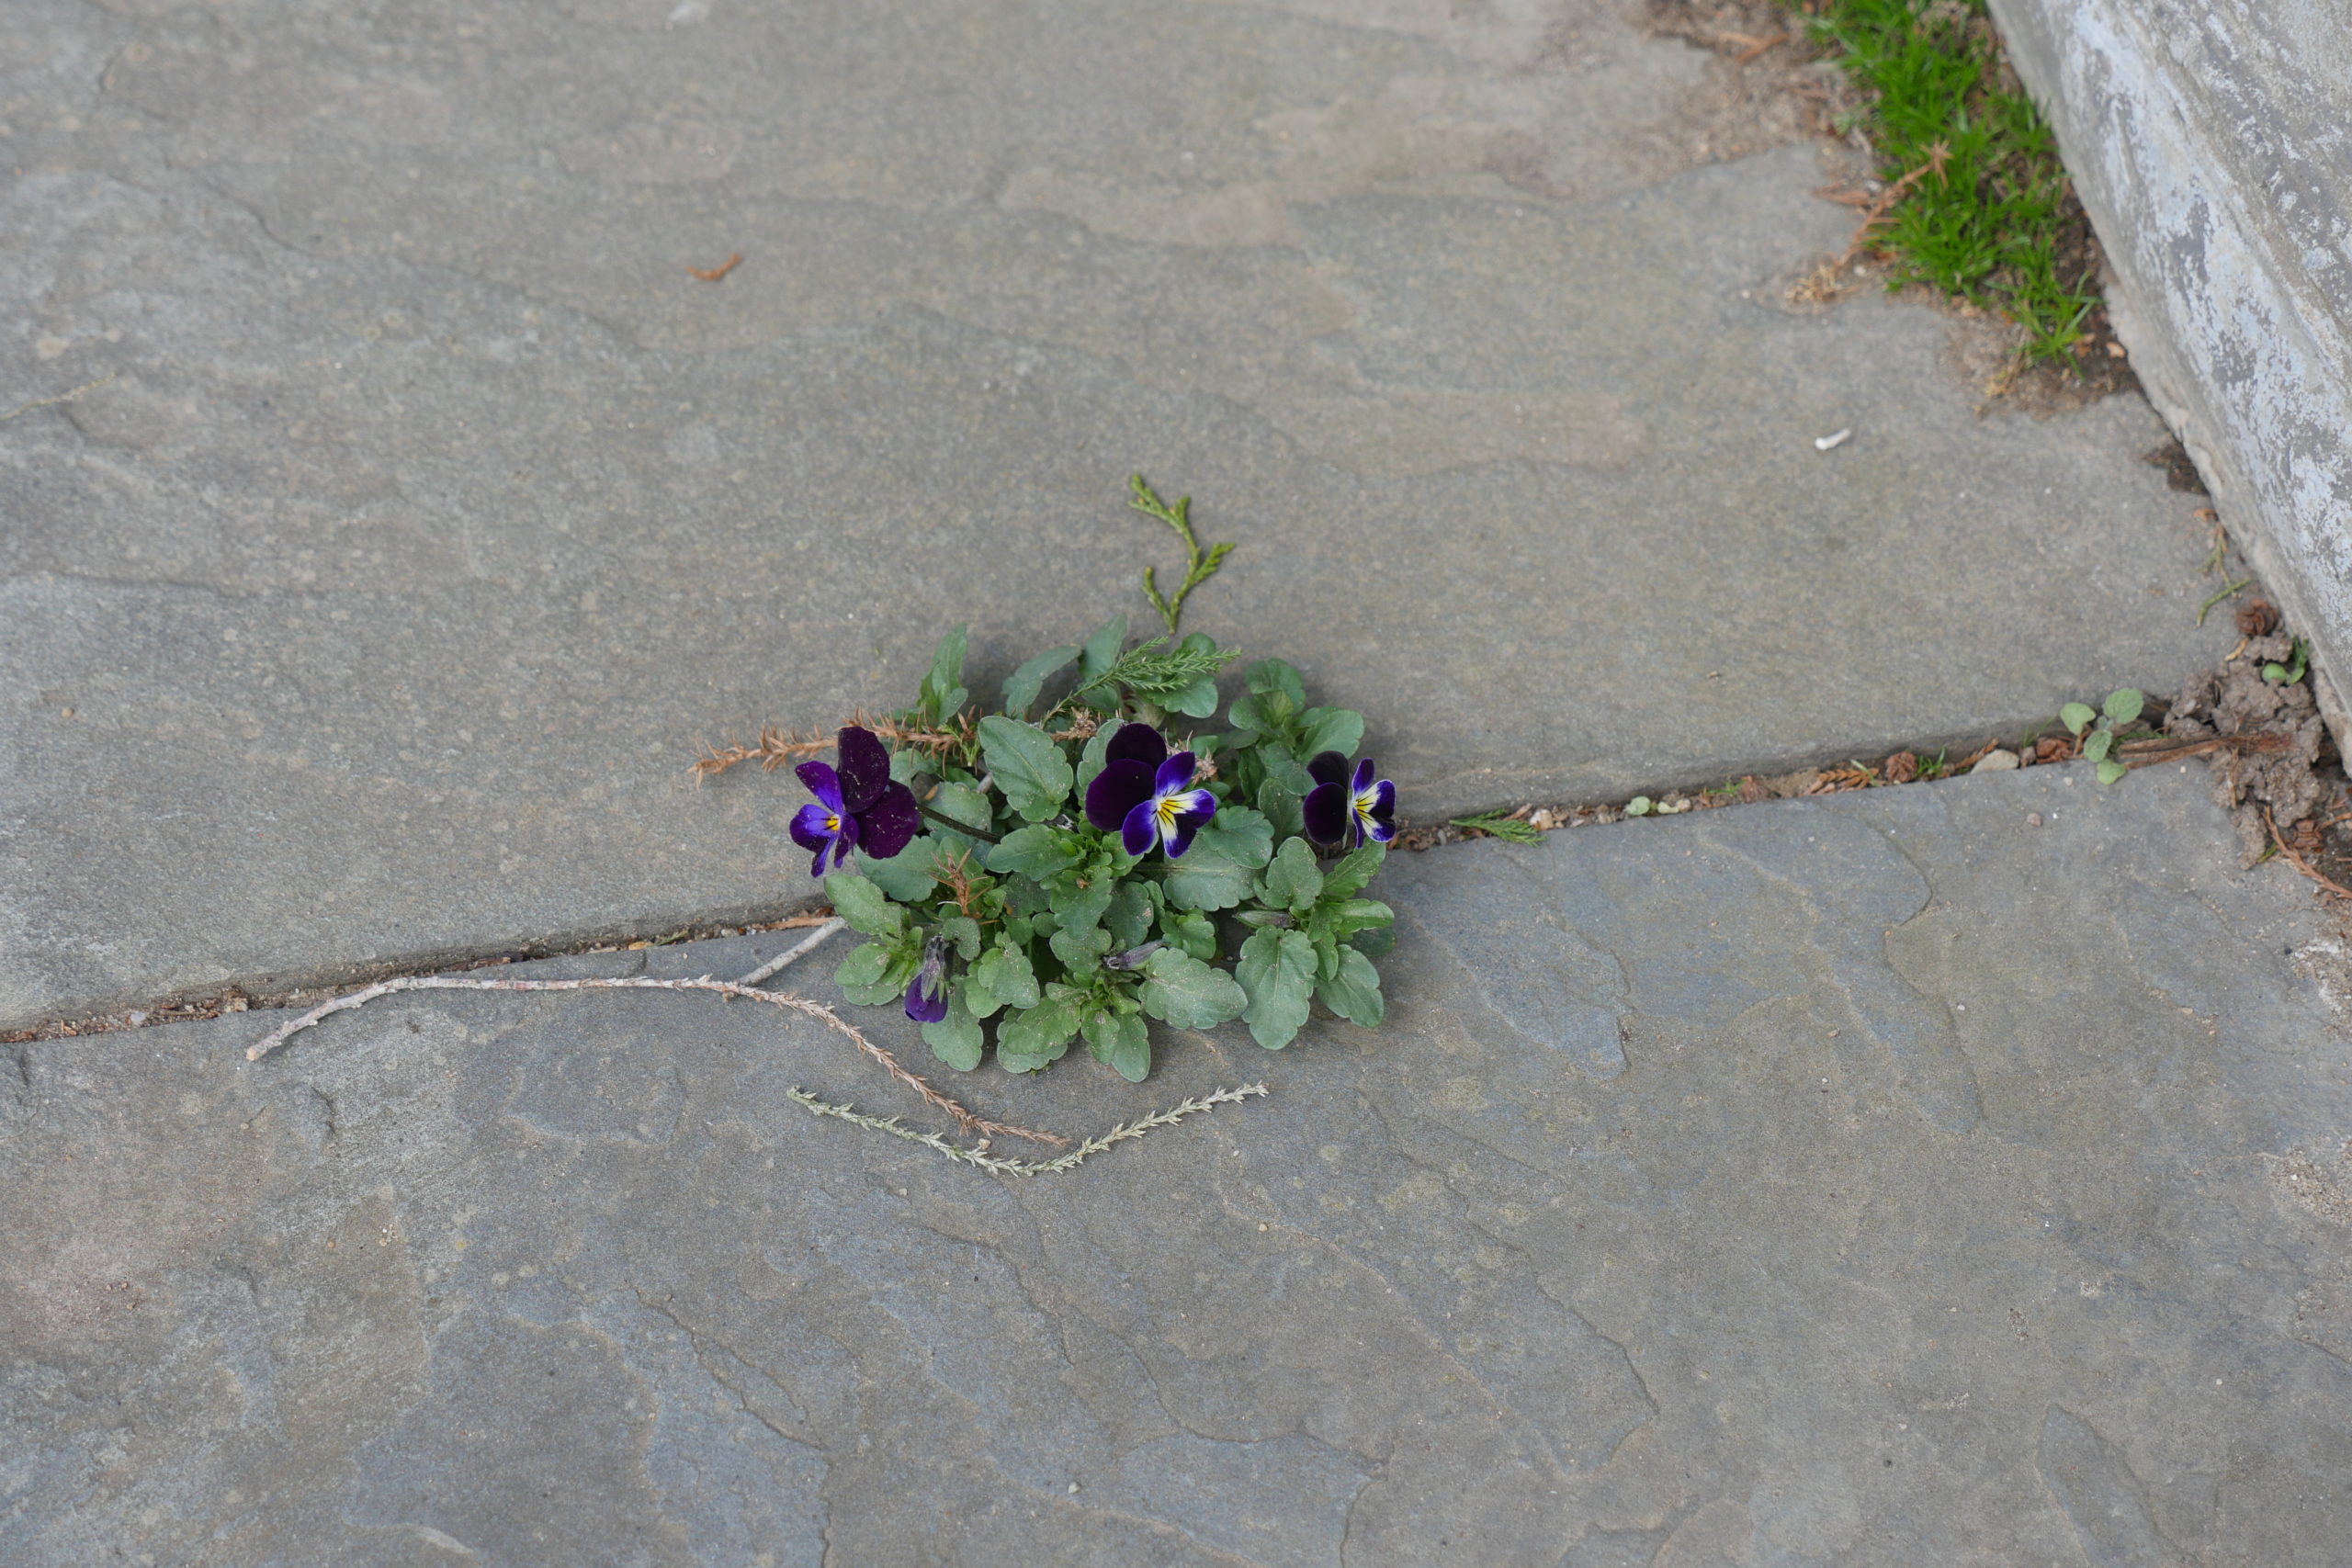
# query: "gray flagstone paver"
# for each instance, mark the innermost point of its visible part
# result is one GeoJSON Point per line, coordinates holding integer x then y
{"type": "Point", "coordinates": [1952, 1174]}
{"type": "Point", "coordinates": [430, 514]}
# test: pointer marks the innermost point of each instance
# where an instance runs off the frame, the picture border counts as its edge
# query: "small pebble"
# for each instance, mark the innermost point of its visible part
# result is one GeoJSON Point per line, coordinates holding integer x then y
{"type": "Point", "coordinates": [2034, 819]}
{"type": "Point", "coordinates": [1824, 443]}
{"type": "Point", "coordinates": [1998, 759]}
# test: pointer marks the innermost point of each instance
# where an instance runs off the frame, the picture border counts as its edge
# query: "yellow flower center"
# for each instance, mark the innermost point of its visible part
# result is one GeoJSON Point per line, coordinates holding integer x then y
{"type": "Point", "coordinates": [832, 824]}
{"type": "Point", "coordinates": [1168, 811]}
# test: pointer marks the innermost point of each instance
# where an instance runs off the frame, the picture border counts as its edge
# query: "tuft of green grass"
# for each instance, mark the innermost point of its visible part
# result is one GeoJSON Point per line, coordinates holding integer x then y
{"type": "Point", "coordinates": [1983, 197]}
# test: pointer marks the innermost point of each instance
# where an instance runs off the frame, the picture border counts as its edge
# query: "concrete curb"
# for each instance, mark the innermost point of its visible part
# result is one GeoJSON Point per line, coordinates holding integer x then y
{"type": "Point", "coordinates": [2213, 147]}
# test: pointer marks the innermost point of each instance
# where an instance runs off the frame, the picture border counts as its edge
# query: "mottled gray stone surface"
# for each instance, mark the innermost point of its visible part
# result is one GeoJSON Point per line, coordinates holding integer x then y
{"type": "Point", "coordinates": [1869, 1179]}
{"type": "Point", "coordinates": [435, 513]}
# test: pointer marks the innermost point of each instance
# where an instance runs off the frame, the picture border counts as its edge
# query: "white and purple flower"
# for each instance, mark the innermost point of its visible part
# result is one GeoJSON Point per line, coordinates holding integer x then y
{"type": "Point", "coordinates": [1145, 795]}
{"type": "Point", "coordinates": [1337, 809]}
{"type": "Point", "coordinates": [859, 804]}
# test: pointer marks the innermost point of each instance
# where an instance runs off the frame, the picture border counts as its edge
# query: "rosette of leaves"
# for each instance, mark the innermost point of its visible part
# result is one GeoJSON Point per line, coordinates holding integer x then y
{"type": "Point", "coordinates": [2098, 729]}
{"type": "Point", "coordinates": [1013, 924]}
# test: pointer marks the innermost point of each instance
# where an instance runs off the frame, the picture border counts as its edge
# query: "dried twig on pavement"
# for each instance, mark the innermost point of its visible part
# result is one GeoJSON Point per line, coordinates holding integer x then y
{"type": "Point", "coordinates": [2286, 853]}
{"type": "Point", "coordinates": [998, 1165]}
{"type": "Point", "coordinates": [890, 1064]}
{"type": "Point", "coordinates": [776, 964]}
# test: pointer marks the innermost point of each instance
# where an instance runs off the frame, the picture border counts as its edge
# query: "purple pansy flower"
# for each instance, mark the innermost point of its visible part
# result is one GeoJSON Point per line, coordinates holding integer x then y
{"type": "Point", "coordinates": [1336, 808]}
{"type": "Point", "coordinates": [859, 806]}
{"type": "Point", "coordinates": [927, 997]}
{"type": "Point", "coordinates": [1141, 793]}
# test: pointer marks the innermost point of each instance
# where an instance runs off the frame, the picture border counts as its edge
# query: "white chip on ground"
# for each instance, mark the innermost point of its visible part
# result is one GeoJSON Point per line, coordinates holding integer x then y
{"type": "Point", "coordinates": [1824, 443]}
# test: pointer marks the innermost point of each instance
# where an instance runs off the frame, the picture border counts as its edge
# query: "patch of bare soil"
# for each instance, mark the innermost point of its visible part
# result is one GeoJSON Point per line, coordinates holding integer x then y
{"type": "Point", "coordinates": [1766, 87]}
{"type": "Point", "coordinates": [2270, 744]}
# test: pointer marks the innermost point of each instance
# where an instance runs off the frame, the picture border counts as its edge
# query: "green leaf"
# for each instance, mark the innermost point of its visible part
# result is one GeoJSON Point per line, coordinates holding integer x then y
{"type": "Point", "coordinates": [2096, 748]}
{"type": "Point", "coordinates": [863, 905]}
{"type": "Point", "coordinates": [908, 765]}
{"type": "Point", "coordinates": [1028, 1040]}
{"type": "Point", "coordinates": [1276, 675]}
{"type": "Point", "coordinates": [1217, 871]}
{"type": "Point", "coordinates": [1029, 768]}
{"type": "Point", "coordinates": [1021, 686]}
{"type": "Point", "coordinates": [2075, 717]}
{"type": "Point", "coordinates": [1005, 974]}
{"type": "Point", "coordinates": [1040, 851]}
{"type": "Point", "coordinates": [1354, 993]}
{"type": "Point", "coordinates": [1285, 809]}
{"type": "Point", "coordinates": [1180, 990]}
{"type": "Point", "coordinates": [1119, 1042]}
{"type": "Point", "coordinates": [1353, 914]}
{"type": "Point", "coordinates": [907, 876]}
{"type": "Point", "coordinates": [965, 932]}
{"type": "Point", "coordinates": [1293, 881]}
{"type": "Point", "coordinates": [1195, 701]}
{"type": "Point", "coordinates": [1189, 932]}
{"type": "Point", "coordinates": [2123, 706]}
{"type": "Point", "coordinates": [942, 690]}
{"type": "Point", "coordinates": [2110, 773]}
{"type": "Point", "coordinates": [956, 1039]}
{"type": "Point", "coordinates": [1330, 729]}
{"type": "Point", "coordinates": [1083, 911]}
{"type": "Point", "coordinates": [866, 975]}
{"type": "Point", "coordinates": [1638, 806]}
{"type": "Point", "coordinates": [1101, 650]}
{"type": "Point", "coordinates": [1199, 699]}
{"type": "Point", "coordinates": [1277, 968]}
{"type": "Point", "coordinates": [1327, 952]}
{"type": "Point", "coordinates": [1081, 952]}
{"type": "Point", "coordinates": [1359, 866]}
{"type": "Point", "coordinates": [1261, 713]}
{"type": "Point", "coordinates": [1090, 760]}
{"type": "Point", "coordinates": [1371, 943]}
{"type": "Point", "coordinates": [1129, 917]}
{"type": "Point", "coordinates": [1284, 769]}
{"type": "Point", "coordinates": [965, 804]}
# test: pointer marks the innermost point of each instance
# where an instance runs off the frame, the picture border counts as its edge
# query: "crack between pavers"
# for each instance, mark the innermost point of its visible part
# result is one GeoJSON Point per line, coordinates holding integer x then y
{"type": "Point", "coordinates": [238, 994]}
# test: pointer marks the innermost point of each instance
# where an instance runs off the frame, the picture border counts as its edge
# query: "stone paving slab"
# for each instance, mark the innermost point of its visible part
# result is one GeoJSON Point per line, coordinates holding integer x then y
{"type": "Point", "coordinates": [1872, 1178]}
{"type": "Point", "coordinates": [435, 514]}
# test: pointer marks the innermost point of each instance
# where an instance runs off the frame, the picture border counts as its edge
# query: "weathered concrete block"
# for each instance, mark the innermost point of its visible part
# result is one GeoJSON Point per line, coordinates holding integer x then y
{"type": "Point", "coordinates": [2212, 145]}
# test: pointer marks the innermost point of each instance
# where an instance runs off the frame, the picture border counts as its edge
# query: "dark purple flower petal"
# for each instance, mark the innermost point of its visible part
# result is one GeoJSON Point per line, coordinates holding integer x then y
{"type": "Point", "coordinates": [927, 997]}
{"type": "Point", "coordinates": [890, 823]}
{"type": "Point", "coordinates": [812, 828]}
{"type": "Point", "coordinates": [1117, 790]}
{"type": "Point", "coordinates": [1326, 811]}
{"type": "Point", "coordinates": [864, 767]}
{"type": "Point", "coordinates": [1363, 775]}
{"type": "Point", "coordinates": [1136, 743]}
{"type": "Point", "coordinates": [1192, 809]}
{"type": "Point", "coordinates": [1141, 826]}
{"type": "Point", "coordinates": [1379, 832]}
{"type": "Point", "coordinates": [1383, 800]}
{"type": "Point", "coordinates": [1174, 774]}
{"type": "Point", "coordinates": [1327, 767]}
{"type": "Point", "coordinates": [821, 781]}
{"type": "Point", "coordinates": [844, 840]}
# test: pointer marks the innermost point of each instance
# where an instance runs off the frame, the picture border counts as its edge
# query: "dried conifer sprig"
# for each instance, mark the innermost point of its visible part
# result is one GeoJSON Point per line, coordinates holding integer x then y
{"type": "Point", "coordinates": [777, 747]}
{"type": "Point", "coordinates": [823, 1014]}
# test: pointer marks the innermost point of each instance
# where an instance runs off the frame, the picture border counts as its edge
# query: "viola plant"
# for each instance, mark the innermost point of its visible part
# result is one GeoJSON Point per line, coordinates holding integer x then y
{"type": "Point", "coordinates": [1025, 884]}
